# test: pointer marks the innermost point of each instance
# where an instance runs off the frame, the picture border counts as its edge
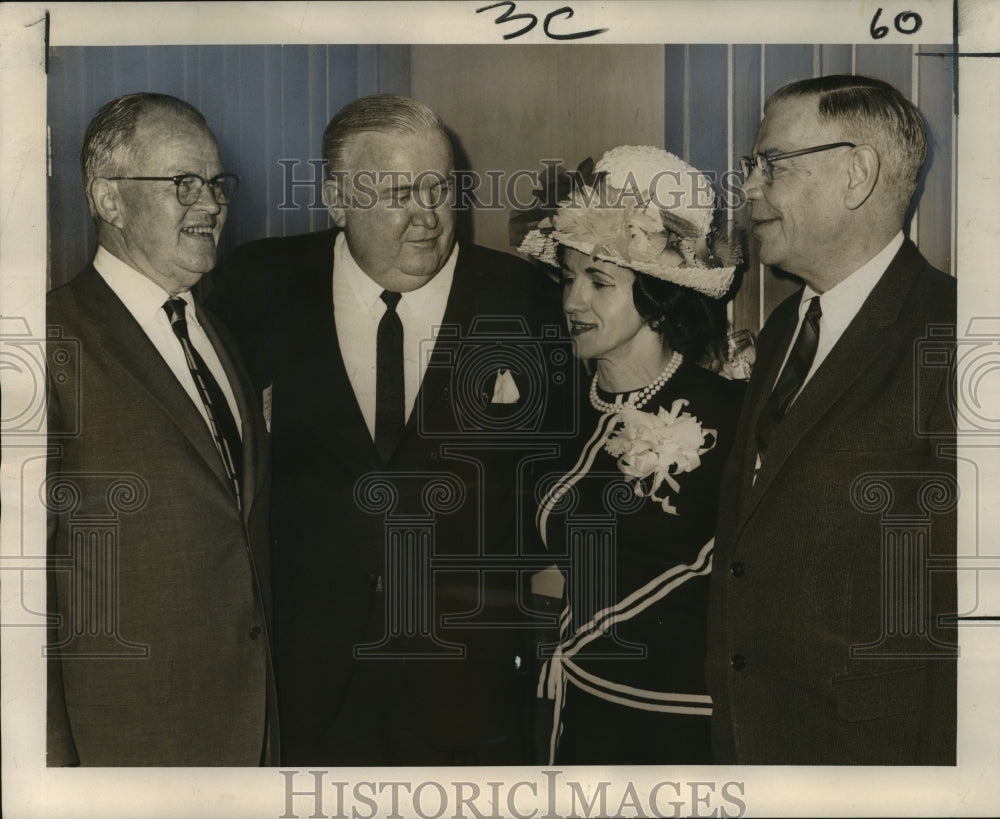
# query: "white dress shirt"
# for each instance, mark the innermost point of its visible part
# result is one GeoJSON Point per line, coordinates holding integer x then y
{"type": "Point", "coordinates": [357, 311]}
{"type": "Point", "coordinates": [144, 299]}
{"type": "Point", "coordinates": [841, 303]}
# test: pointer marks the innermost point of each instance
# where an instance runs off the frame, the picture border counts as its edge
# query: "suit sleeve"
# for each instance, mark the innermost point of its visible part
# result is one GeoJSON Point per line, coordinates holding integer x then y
{"type": "Point", "coordinates": [937, 742]}
{"type": "Point", "coordinates": [60, 747]}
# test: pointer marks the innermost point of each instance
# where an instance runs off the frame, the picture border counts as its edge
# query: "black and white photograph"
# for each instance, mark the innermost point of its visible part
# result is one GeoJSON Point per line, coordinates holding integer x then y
{"type": "Point", "coordinates": [499, 409]}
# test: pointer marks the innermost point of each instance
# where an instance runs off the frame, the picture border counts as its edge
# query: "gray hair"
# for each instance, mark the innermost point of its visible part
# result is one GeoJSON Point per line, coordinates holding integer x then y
{"type": "Point", "coordinates": [870, 111]}
{"type": "Point", "coordinates": [382, 113]}
{"type": "Point", "coordinates": [109, 146]}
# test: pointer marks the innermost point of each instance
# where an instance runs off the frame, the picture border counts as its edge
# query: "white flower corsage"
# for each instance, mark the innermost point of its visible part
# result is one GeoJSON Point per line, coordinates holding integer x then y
{"type": "Point", "coordinates": [652, 449]}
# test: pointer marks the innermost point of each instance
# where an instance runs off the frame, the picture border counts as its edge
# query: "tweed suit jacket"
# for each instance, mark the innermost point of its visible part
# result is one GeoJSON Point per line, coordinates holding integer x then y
{"type": "Point", "coordinates": [158, 587]}
{"type": "Point", "coordinates": [832, 578]}
{"type": "Point", "coordinates": [390, 653]}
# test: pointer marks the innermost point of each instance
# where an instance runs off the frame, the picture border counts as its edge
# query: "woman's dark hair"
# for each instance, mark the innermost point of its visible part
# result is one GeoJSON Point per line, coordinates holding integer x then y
{"type": "Point", "coordinates": [687, 320]}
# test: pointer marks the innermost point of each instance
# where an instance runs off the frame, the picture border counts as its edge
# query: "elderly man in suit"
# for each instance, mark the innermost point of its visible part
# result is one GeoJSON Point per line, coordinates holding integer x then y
{"type": "Point", "coordinates": [834, 573]}
{"type": "Point", "coordinates": [405, 375]}
{"type": "Point", "coordinates": [157, 492]}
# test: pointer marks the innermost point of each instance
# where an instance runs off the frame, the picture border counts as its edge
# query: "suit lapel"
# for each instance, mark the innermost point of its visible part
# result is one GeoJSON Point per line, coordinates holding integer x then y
{"type": "Point", "coordinates": [355, 440]}
{"type": "Point", "coordinates": [460, 307]}
{"type": "Point", "coordinates": [312, 314]}
{"type": "Point", "coordinates": [125, 343]}
{"type": "Point", "coordinates": [769, 360]}
{"type": "Point", "coordinates": [861, 344]}
{"type": "Point", "coordinates": [249, 410]}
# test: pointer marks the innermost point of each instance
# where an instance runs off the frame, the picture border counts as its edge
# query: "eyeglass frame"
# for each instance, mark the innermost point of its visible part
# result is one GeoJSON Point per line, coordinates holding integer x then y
{"type": "Point", "coordinates": [177, 185]}
{"type": "Point", "coordinates": [759, 161]}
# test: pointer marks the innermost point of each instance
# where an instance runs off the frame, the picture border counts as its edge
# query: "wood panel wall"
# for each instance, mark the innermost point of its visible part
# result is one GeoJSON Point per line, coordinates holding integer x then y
{"type": "Point", "coordinates": [512, 106]}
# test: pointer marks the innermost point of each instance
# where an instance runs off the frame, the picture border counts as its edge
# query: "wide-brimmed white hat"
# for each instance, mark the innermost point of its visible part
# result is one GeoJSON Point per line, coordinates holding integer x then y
{"type": "Point", "coordinates": [646, 210]}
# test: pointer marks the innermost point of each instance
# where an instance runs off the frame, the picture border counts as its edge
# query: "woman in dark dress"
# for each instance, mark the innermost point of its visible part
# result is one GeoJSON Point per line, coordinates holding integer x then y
{"type": "Point", "coordinates": [632, 507]}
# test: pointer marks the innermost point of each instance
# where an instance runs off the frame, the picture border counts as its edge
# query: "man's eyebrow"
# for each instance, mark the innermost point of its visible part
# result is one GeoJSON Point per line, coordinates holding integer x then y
{"type": "Point", "coordinates": [390, 185]}
{"type": "Point", "coordinates": [409, 186]}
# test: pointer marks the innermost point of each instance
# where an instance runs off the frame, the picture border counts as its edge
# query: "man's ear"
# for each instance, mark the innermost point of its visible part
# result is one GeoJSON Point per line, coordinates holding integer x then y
{"type": "Point", "coordinates": [862, 175]}
{"type": "Point", "coordinates": [106, 202]}
{"type": "Point", "coordinates": [335, 201]}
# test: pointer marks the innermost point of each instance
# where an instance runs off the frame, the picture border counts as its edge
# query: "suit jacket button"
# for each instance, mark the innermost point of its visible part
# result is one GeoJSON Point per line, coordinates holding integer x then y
{"type": "Point", "coordinates": [736, 570]}
{"type": "Point", "coordinates": [256, 633]}
{"type": "Point", "coordinates": [738, 662]}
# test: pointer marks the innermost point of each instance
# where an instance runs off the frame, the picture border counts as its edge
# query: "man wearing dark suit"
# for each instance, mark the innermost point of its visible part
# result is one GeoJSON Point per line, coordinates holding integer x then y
{"type": "Point", "coordinates": [400, 370]}
{"type": "Point", "coordinates": [157, 489]}
{"type": "Point", "coordinates": [834, 564]}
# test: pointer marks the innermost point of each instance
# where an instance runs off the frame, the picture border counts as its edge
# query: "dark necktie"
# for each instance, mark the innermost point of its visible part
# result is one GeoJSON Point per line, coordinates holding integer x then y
{"type": "Point", "coordinates": [792, 377]}
{"type": "Point", "coordinates": [389, 391]}
{"type": "Point", "coordinates": [220, 418]}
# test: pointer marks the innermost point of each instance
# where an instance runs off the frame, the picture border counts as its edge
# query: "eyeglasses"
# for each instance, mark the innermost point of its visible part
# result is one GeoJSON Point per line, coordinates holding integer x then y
{"type": "Point", "coordinates": [763, 162]}
{"type": "Point", "coordinates": [189, 185]}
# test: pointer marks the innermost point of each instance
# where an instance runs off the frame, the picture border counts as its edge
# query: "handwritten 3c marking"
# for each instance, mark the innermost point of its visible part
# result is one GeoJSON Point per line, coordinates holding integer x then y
{"type": "Point", "coordinates": [508, 16]}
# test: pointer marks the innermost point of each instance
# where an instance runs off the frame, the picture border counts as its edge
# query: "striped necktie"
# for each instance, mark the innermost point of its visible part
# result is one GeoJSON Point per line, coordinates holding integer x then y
{"type": "Point", "coordinates": [220, 418]}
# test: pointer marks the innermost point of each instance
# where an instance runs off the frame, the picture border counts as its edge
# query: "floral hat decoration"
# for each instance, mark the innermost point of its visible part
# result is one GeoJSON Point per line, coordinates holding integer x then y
{"type": "Point", "coordinates": [640, 207]}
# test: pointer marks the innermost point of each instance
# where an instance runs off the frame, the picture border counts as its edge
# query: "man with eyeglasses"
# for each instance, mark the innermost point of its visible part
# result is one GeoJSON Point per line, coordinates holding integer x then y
{"type": "Point", "coordinates": [159, 647]}
{"type": "Point", "coordinates": [834, 573]}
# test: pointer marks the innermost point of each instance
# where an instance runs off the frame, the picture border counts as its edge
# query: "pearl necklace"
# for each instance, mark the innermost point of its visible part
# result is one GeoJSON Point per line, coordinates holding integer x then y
{"type": "Point", "coordinates": [637, 398]}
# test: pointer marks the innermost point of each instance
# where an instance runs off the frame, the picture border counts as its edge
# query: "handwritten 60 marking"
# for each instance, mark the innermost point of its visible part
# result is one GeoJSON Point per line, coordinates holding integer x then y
{"type": "Point", "coordinates": [901, 21]}
{"type": "Point", "coordinates": [508, 15]}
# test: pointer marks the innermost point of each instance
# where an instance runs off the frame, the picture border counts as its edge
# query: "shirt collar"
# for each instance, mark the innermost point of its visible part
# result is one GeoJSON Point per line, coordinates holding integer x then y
{"type": "Point", "coordinates": [369, 292]}
{"type": "Point", "coordinates": [140, 294]}
{"type": "Point", "coordinates": [842, 301]}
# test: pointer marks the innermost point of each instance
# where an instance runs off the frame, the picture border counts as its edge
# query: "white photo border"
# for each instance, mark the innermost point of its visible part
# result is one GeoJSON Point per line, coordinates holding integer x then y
{"type": "Point", "coordinates": [29, 789]}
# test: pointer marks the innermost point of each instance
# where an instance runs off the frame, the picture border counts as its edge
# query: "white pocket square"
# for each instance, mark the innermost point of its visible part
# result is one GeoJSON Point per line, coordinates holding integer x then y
{"type": "Point", "coordinates": [504, 389]}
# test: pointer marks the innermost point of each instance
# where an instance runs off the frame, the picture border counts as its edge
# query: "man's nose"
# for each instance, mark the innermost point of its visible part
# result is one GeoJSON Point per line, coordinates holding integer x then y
{"type": "Point", "coordinates": [753, 185]}
{"type": "Point", "coordinates": [423, 215]}
{"type": "Point", "coordinates": [207, 200]}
